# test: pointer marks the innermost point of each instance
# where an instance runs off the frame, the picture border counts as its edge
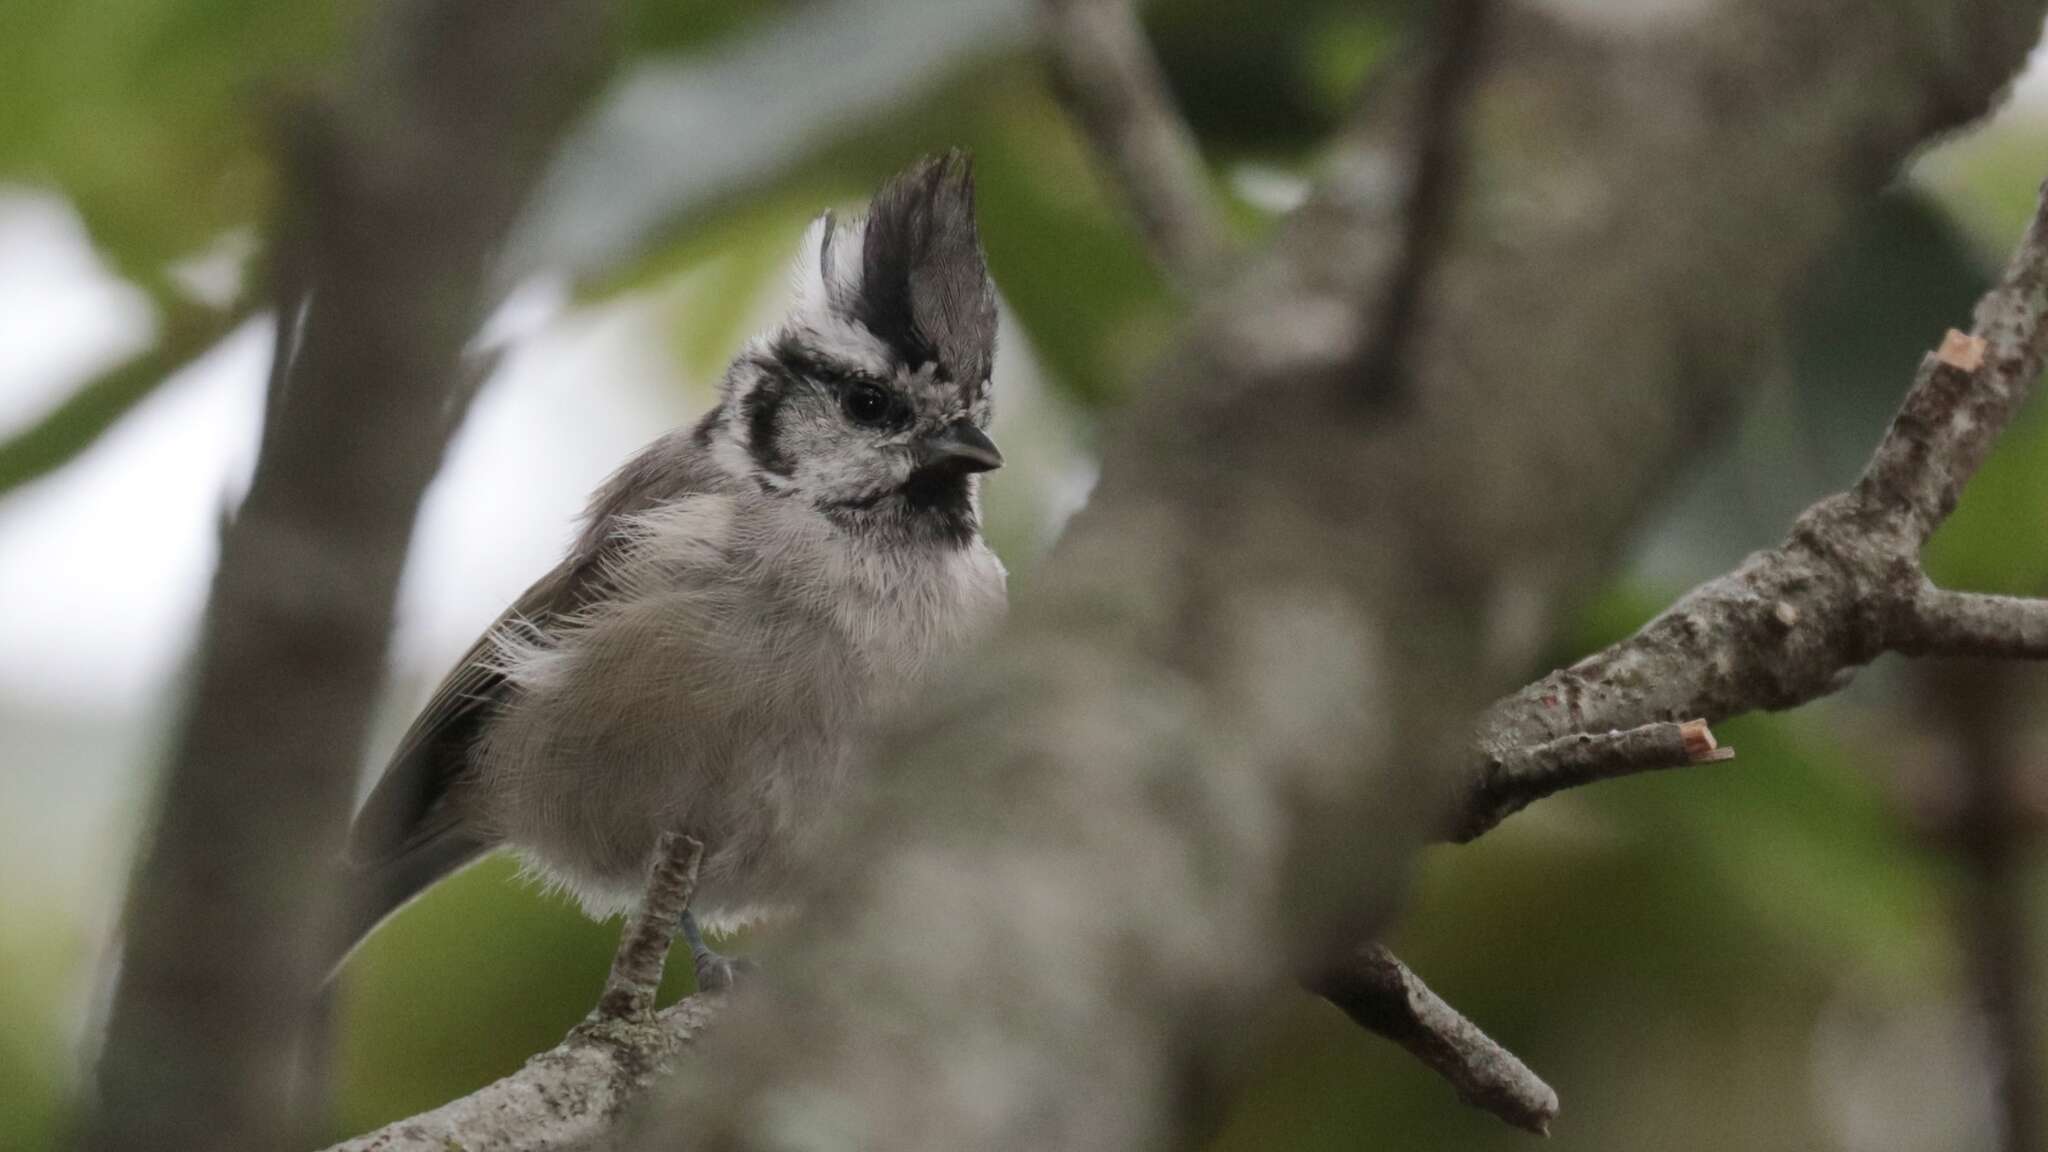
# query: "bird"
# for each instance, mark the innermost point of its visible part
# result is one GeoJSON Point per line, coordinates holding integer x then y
{"type": "Point", "coordinates": [744, 598]}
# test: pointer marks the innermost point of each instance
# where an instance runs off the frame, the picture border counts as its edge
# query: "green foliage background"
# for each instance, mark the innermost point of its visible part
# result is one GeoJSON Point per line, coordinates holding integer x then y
{"type": "Point", "coordinates": [1664, 949]}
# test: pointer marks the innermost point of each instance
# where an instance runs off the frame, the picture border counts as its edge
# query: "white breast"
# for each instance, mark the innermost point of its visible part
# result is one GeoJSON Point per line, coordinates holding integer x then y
{"type": "Point", "coordinates": [722, 687]}
{"type": "Point", "coordinates": [901, 608]}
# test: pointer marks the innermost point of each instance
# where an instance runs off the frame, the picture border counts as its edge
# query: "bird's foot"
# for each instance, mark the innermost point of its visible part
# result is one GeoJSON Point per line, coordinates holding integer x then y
{"type": "Point", "coordinates": [715, 972]}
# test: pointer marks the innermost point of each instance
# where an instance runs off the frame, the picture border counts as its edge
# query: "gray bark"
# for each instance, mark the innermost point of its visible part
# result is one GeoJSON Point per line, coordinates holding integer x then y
{"type": "Point", "coordinates": [571, 1096]}
{"type": "Point", "coordinates": [385, 253]}
{"type": "Point", "coordinates": [1383, 995]}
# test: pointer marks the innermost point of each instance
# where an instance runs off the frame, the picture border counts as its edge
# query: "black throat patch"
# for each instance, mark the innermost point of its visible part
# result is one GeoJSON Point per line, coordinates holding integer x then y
{"type": "Point", "coordinates": [930, 506]}
{"type": "Point", "coordinates": [942, 503]}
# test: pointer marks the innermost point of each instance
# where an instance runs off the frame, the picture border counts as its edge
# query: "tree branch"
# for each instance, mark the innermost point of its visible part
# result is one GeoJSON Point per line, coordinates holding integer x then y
{"type": "Point", "coordinates": [1521, 777]}
{"type": "Point", "coordinates": [399, 189]}
{"type": "Point", "coordinates": [1975, 624]}
{"type": "Point", "coordinates": [1434, 171]}
{"type": "Point", "coordinates": [568, 1097]}
{"type": "Point", "coordinates": [1383, 995]}
{"type": "Point", "coordinates": [1115, 91]}
{"type": "Point", "coordinates": [1794, 623]}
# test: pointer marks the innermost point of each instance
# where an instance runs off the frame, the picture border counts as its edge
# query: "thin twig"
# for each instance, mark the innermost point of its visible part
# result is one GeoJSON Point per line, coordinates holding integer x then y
{"type": "Point", "coordinates": [643, 946]}
{"type": "Point", "coordinates": [1965, 395]}
{"type": "Point", "coordinates": [1435, 174]}
{"type": "Point", "coordinates": [1383, 995]}
{"type": "Point", "coordinates": [1112, 85]}
{"type": "Point", "coordinates": [566, 1098]}
{"type": "Point", "coordinates": [1519, 778]}
{"type": "Point", "coordinates": [1976, 624]}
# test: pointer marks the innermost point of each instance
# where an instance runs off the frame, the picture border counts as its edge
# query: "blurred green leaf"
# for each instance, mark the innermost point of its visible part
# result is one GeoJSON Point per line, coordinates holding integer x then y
{"type": "Point", "coordinates": [39, 952]}
{"type": "Point", "coordinates": [1990, 179]}
{"type": "Point", "coordinates": [154, 116]}
{"type": "Point", "coordinates": [1904, 274]}
{"type": "Point", "coordinates": [150, 114]}
{"type": "Point", "coordinates": [1793, 803]}
{"type": "Point", "coordinates": [657, 26]}
{"type": "Point", "coordinates": [1612, 615]}
{"type": "Point", "coordinates": [188, 329]}
{"type": "Point", "coordinates": [1997, 539]}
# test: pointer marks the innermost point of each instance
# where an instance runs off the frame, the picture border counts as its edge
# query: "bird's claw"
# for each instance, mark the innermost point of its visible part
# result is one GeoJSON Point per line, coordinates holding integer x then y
{"type": "Point", "coordinates": [717, 973]}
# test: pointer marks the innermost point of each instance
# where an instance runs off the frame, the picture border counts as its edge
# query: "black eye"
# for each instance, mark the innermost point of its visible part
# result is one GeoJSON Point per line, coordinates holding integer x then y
{"type": "Point", "coordinates": [865, 404]}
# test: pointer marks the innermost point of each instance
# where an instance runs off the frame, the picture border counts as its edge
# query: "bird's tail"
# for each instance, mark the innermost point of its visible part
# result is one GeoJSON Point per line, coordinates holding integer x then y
{"type": "Point", "coordinates": [374, 891]}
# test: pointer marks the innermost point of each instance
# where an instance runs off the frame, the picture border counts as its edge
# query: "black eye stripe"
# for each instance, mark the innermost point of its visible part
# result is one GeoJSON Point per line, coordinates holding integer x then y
{"type": "Point", "coordinates": [760, 408]}
{"type": "Point", "coordinates": [793, 361]}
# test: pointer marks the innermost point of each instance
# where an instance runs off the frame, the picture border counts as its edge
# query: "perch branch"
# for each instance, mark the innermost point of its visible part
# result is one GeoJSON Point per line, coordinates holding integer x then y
{"type": "Point", "coordinates": [643, 945]}
{"type": "Point", "coordinates": [566, 1098]}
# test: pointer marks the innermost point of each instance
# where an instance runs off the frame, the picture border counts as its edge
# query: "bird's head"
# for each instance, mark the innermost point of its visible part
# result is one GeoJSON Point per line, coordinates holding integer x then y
{"type": "Point", "coordinates": [871, 399]}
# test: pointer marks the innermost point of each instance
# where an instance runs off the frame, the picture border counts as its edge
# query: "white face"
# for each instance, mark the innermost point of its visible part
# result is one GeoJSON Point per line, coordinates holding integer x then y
{"type": "Point", "coordinates": [843, 433]}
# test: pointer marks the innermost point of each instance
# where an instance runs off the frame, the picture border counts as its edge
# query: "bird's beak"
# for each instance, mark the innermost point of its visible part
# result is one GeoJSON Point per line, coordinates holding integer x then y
{"type": "Point", "coordinates": [958, 447]}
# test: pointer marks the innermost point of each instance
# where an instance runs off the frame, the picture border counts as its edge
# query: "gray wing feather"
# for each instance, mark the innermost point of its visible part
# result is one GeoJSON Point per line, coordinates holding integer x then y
{"type": "Point", "coordinates": [409, 804]}
{"type": "Point", "coordinates": [411, 831]}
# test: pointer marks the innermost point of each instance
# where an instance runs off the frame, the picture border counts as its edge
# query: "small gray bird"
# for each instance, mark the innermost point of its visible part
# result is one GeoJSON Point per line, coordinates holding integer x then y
{"type": "Point", "coordinates": [745, 596]}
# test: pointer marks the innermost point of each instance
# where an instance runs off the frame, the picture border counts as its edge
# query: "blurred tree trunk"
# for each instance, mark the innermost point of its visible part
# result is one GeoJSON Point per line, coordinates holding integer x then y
{"type": "Point", "coordinates": [1985, 817]}
{"type": "Point", "coordinates": [399, 187]}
